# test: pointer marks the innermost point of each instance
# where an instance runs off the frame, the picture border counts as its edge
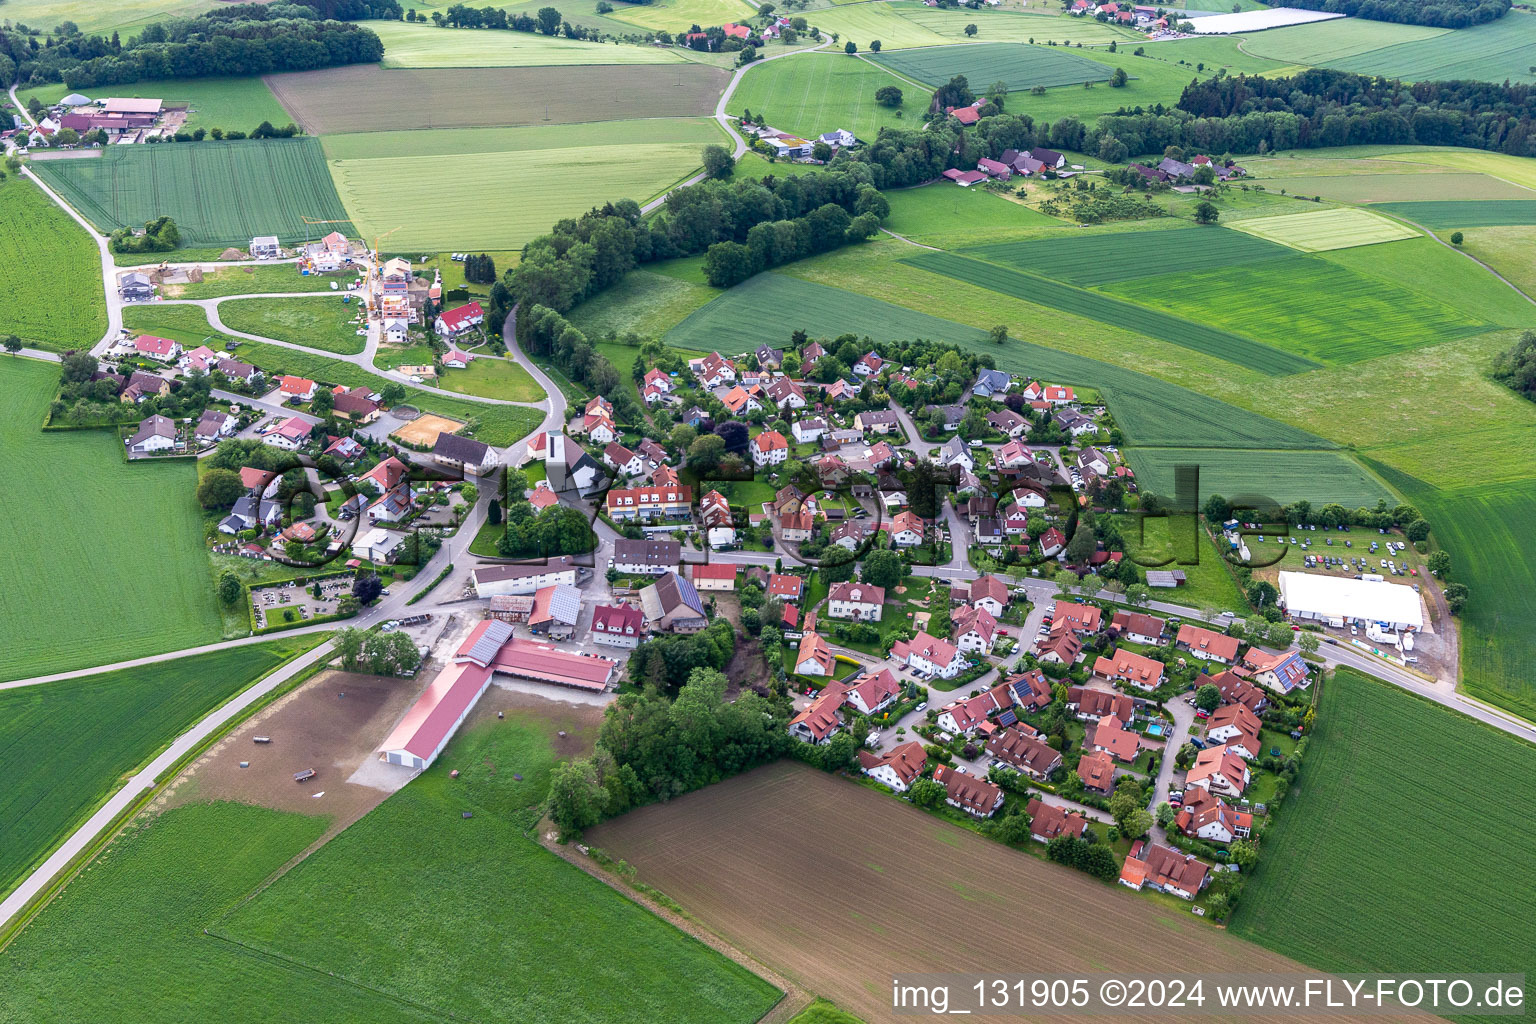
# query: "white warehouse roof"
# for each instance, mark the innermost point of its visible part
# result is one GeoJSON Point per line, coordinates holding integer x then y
{"type": "Point", "coordinates": [1323, 597]}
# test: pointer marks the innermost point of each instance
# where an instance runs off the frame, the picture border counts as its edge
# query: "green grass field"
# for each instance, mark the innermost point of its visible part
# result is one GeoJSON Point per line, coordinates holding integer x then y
{"type": "Point", "coordinates": [1208, 583]}
{"type": "Point", "coordinates": [1415, 188]}
{"type": "Point", "coordinates": [1325, 43]}
{"type": "Point", "coordinates": [421, 45]}
{"type": "Point", "coordinates": [493, 378]}
{"type": "Point", "coordinates": [1021, 67]}
{"type": "Point", "coordinates": [499, 425]}
{"type": "Point", "coordinates": [100, 18]}
{"type": "Point", "coordinates": [1276, 302]}
{"type": "Point", "coordinates": [251, 280]}
{"type": "Point", "coordinates": [435, 200]}
{"type": "Point", "coordinates": [459, 904]}
{"type": "Point", "coordinates": [234, 104]}
{"type": "Point", "coordinates": [518, 139]}
{"type": "Point", "coordinates": [1093, 305]}
{"type": "Point", "coordinates": [646, 302]}
{"type": "Point", "coordinates": [321, 321]}
{"type": "Point", "coordinates": [1493, 52]}
{"type": "Point", "coordinates": [1088, 259]}
{"type": "Point", "coordinates": [1438, 274]}
{"type": "Point", "coordinates": [105, 560]}
{"type": "Point", "coordinates": [943, 215]}
{"type": "Point", "coordinates": [1452, 214]}
{"type": "Point", "coordinates": [219, 193]}
{"type": "Point", "coordinates": [677, 15]}
{"type": "Point", "coordinates": [1008, 26]}
{"type": "Point", "coordinates": [1507, 250]}
{"type": "Point", "coordinates": [823, 1012]}
{"type": "Point", "coordinates": [865, 21]}
{"type": "Point", "coordinates": [1326, 229]}
{"type": "Point", "coordinates": [1285, 476]}
{"type": "Point", "coordinates": [65, 746]}
{"type": "Point", "coordinates": [813, 93]}
{"type": "Point", "coordinates": [1331, 893]}
{"type": "Point", "coordinates": [45, 252]}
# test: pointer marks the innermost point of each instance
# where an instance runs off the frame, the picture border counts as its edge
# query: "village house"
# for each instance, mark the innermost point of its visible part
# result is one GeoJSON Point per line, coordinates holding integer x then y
{"type": "Point", "coordinates": [1139, 628]}
{"type": "Point", "coordinates": [354, 405]}
{"type": "Point", "coordinates": [379, 546]}
{"type": "Point", "coordinates": [897, 768]}
{"type": "Point", "coordinates": [250, 513]}
{"type": "Point", "coordinates": [907, 530]}
{"type": "Point", "coordinates": [950, 416]}
{"type": "Point", "coordinates": [455, 452]}
{"type": "Point", "coordinates": [859, 601]}
{"type": "Point", "coordinates": [872, 694]}
{"type": "Point", "coordinates": [656, 502]}
{"type": "Point", "coordinates": [994, 169]}
{"type": "Point", "coordinates": [929, 655]}
{"type": "Point", "coordinates": [974, 796]}
{"type": "Point", "coordinates": [1123, 666]}
{"type": "Point", "coordinates": [975, 630]}
{"type": "Point", "coordinates": [868, 365]}
{"type": "Point", "coordinates": [1091, 705]}
{"type": "Point", "coordinates": [1097, 772]}
{"type": "Point", "coordinates": [599, 428]}
{"type": "Point", "coordinates": [233, 369]}
{"type": "Point", "coordinates": [1082, 619]}
{"type": "Point", "coordinates": [1220, 770]}
{"type": "Point", "coordinates": [1024, 753]}
{"type": "Point", "coordinates": [1013, 455]}
{"type": "Point", "coordinates": [963, 717]}
{"type": "Point", "coordinates": [768, 357]}
{"type": "Point", "coordinates": [713, 370]}
{"type": "Point", "coordinates": [814, 657]}
{"type": "Point", "coordinates": [1206, 816]}
{"type": "Point", "coordinates": [459, 321]}
{"type": "Point", "coordinates": [1108, 736]}
{"type": "Point", "coordinates": [623, 461]}
{"type": "Point", "coordinates": [289, 435]}
{"type": "Point", "coordinates": [162, 350]}
{"type": "Point", "coordinates": [796, 526]}
{"type": "Point", "coordinates": [392, 506]}
{"type": "Point", "coordinates": [879, 421]}
{"type": "Point", "coordinates": [671, 604]}
{"type": "Point", "coordinates": [1282, 672]}
{"type": "Point", "coordinates": [819, 721]}
{"type": "Point", "coordinates": [987, 592]}
{"type": "Point", "coordinates": [992, 382]}
{"type": "Point", "coordinates": [786, 394]}
{"type": "Point", "coordinates": [1164, 870]}
{"type": "Point", "coordinates": [851, 534]}
{"type": "Point", "coordinates": [617, 625]}
{"type": "Point", "coordinates": [807, 431]}
{"type": "Point", "coordinates": [1008, 422]}
{"type": "Point", "coordinates": [135, 287]}
{"type": "Point", "coordinates": [1031, 690]}
{"type": "Point", "coordinates": [769, 449]}
{"type": "Point", "coordinates": [1074, 423]}
{"type": "Point", "coordinates": [1236, 690]}
{"type": "Point", "coordinates": [955, 452]}
{"type": "Point", "coordinates": [457, 359]}
{"type": "Point", "coordinates": [1207, 645]}
{"type": "Point", "coordinates": [713, 576]}
{"type": "Point", "coordinates": [1047, 821]}
{"type": "Point", "coordinates": [214, 424]}
{"type": "Point", "coordinates": [385, 475]}
{"type": "Point", "coordinates": [524, 578]}
{"type": "Point", "coordinates": [155, 434]}
{"type": "Point", "coordinates": [785, 587]}
{"type": "Point", "coordinates": [1236, 728]}
{"type": "Point", "coordinates": [1059, 647]}
{"type": "Point", "coordinates": [301, 388]}
{"type": "Point", "coordinates": [646, 557]}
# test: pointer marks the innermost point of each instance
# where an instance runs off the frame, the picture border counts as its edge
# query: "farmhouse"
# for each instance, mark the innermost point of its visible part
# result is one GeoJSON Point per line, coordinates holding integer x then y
{"type": "Point", "coordinates": [1164, 870]}
{"type": "Point", "coordinates": [1307, 597]}
{"type": "Point", "coordinates": [974, 796]}
{"type": "Point", "coordinates": [1128, 667]}
{"type": "Point", "coordinates": [1208, 645]}
{"type": "Point", "coordinates": [856, 601]}
{"type": "Point", "coordinates": [155, 434]}
{"type": "Point", "coordinates": [620, 625]}
{"type": "Point", "coordinates": [1047, 821]}
{"type": "Point", "coordinates": [646, 557]}
{"type": "Point", "coordinates": [1024, 753]}
{"type": "Point", "coordinates": [555, 611]}
{"type": "Point", "coordinates": [671, 604]}
{"type": "Point", "coordinates": [465, 453]}
{"type": "Point", "coordinates": [501, 580]}
{"type": "Point", "coordinates": [897, 768]}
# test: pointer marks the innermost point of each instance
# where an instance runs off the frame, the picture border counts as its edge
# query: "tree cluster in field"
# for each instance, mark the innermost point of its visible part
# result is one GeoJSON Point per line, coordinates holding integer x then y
{"type": "Point", "coordinates": [83, 400]}
{"type": "Point", "coordinates": [248, 39]}
{"type": "Point", "coordinates": [652, 747]}
{"type": "Point", "coordinates": [479, 269]}
{"type": "Point", "coordinates": [544, 332]}
{"type": "Point", "coordinates": [1086, 855]}
{"type": "Point", "coordinates": [773, 243]}
{"type": "Point", "coordinates": [375, 652]}
{"type": "Point", "coordinates": [1440, 13]}
{"type": "Point", "coordinates": [159, 235]}
{"type": "Point", "coordinates": [546, 21]}
{"type": "Point", "coordinates": [1320, 108]}
{"type": "Point", "coordinates": [1515, 367]}
{"type": "Point", "coordinates": [557, 530]}
{"type": "Point", "coordinates": [663, 663]}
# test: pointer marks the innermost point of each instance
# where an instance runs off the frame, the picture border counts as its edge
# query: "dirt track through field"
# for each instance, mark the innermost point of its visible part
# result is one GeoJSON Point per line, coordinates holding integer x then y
{"type": "Point", "coordinates": [365, 98]}
{"type": "Point", "coordinates": [840, 887]}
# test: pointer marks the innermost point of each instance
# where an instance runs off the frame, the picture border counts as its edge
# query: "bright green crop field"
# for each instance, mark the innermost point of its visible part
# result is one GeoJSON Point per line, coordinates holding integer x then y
{"type": "Point", "coordinates": [234, 104]}
{"type": "Point", "coordinates": [1097, 259]}
{"type": "Point", "coordinates": [1423, 187]}
{"type": "Point", "coordinates": [1331, 893]}
{"type": "Point", "coordinates": [1326, 229]}
{"type": "Point", "coordinates": [424, 45]}
{"type": "Point", "coordinates": [1493, 52]}
{"type": "Point", "coordinates": [66, 745]}
{"type": "Point", "coordinates": [462, 905]}
{"type": "Point", "coordinates": [1285, 476]}
{"type": "Point", "coordinates": [1190, 334]}
{"type": "Point", "coordinates": [1327, 43]}
{"type": "Point", "coordinates": [676, 15]}
{"type": "Point", "coordinates": [1022, 67]}
{"type": "Point", "coordinates": [1474, 213]}
{"type": "Point", "coordinates": [812, 93]}
{"type": "Point", "coordinates": [104, 560]}
{"type": "Point", "coordinates": [45, 252]}
{"type": "Point", "coordinates": [219, 193]}
{"type": "Point", "coordinates": [944, 215]}
{"type": "Point", "coordinates": [321, 321]}
{"type": "Point", "coordinates": [865, 21]}
{"type": "Point", "coordinates": [1277, 303]}
{"type": "Point", "coordinates": [1008, 26]}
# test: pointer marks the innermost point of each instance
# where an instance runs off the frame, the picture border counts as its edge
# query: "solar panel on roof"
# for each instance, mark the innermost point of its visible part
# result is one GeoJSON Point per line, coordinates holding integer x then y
{"type": "Point", "coordinates": [496, 635]}
{"type": "Point", "coordinates": [1007, 718]}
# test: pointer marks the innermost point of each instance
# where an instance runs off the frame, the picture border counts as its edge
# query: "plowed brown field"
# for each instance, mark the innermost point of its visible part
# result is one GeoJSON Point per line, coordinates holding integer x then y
{"type": "Point", "coordinates": [840, 888]}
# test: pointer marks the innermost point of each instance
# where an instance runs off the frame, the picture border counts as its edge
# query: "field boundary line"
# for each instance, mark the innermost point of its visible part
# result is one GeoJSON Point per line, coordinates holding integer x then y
{"type": "Point", "coordinates": [1456, 249]}
{"type": "Point", "coordinates": [794, 998]}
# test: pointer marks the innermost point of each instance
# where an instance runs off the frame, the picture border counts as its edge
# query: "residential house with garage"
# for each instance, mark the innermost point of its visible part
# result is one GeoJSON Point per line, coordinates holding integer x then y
{"type": "Point", "coordinates": [289, 435]}
{"type": "Point", "coordinates": [713, 370]}
{"type": "Point", "coordinates": [930, 656]}
{"type": "Point", "coordinates": [1220, 770]}
{"type": "Point", "coordinates": [1206, 816]}
{"type": "Point", "coordinates": [1031, 690]}
{"type": "Point", "coordinates": [815, 656]}
{"type": "Point", "coordinates": [1047, 821]}
{"type": "Point", "coordinates": [301, 388]}
{"type": "Point", "coordinates": [976, 797]}
{"type": "Point", "coordinates": [786, 394]}
{"type": "Point", "coordinates": [1282, 672]}
{"type": "Point", "coordinates": [155, 434]}
{"type": "Point", "coordinates": [214, 424]}
{"type": "Point", "coordinates": [1008, 423]}
{"type": "Point", "coordinates": [868, 365]}
{"type": "Point", "coordinates": [872, 694]}
{"type": "Point", "coordinates": [1207, 645]}
{"type": "Point", "coordinates": [143, 385]}
{"type": "Point", "coordinates": [1122, 666]}
{"type": "Point", "coordinates": [1024, 753]}
{"type": "Point", "coordinates": [897, 768]}
{"type": "Point", "coordinates": [459, 321]}
{"type": "Point", "coordinates": [991, 382]}
{"type": "Point", "coordinates": [877, 421]}
{"type": "Point", "coordinates": [1236, 728]}
{"type": "Point", "coordinates": [955, 452]}
{"type": "Point", "coordinates": [1165, 870]}
{"type": "Point", "coordinates": [965, 716]}
{"type": "Point", "coordinates": [1139, 628]}
{"type": "Point", "coordinates": [807, 431]}
{"type": "Point", "coordinates": [907, 530]}
{"type": "Point", "coordinates": [1097, 772]}
{"type": "Point", "coordinates": [162, 350]}
{"type": "Point", "coordinates": [1236, 690]}
{"type": "Point", "coordinates": [820, 720]}
{"type": "Point", "coordinates": [975, 630]}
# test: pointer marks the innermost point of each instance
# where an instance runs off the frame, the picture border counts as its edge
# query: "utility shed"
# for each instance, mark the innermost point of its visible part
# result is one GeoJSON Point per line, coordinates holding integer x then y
{"type": "Point", "coordinates": [1330, 598]}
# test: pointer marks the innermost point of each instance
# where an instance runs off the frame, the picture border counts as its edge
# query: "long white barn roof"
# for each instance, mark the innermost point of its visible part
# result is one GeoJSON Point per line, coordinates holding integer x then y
{"type": "Point", "coordinates": [1333, 596]}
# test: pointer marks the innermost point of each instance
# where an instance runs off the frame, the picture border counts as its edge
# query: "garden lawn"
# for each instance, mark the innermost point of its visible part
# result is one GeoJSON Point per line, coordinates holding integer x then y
{"type": "Point", "coordinates": [104, 560]}
{"type": "Point", "coordinates": [219, 193]}
{"type": "Point", "coordinates": [1326, 229]}
{"type": "Point", "coordinates": [812, 93]}
{"type": "Point", "coordinates": [492, 378]}
{"type": "Point", "coordinates": [1020, 67]}
{"type": "Point", "coordinates": [1330, 893]}
{"type": "Point", "coordinates": [498, 425]}
{"type": "Point", "coordinates": [45, 253]}
{"type": "Point", "coordinates": [461, 903]}
{"type": "Point", "coordinates": [321, 321]}
{"type": "Point", "coordinates": [435, 200]}
{"type": "Point", "coordinates": [1452, 214]}
{"type": "Point", "coordinates": [943, 215]}
{"type": "Point", "coordinates": [233, 104]}
{"type": "Point", "coordinates": [1210, 341]}
{"type": "Point", "coordinates": [425, 45]}
{"type": "Point", "coordinates": [250, 280]}
{"type": "Point", "coordinates": [66, 745]}
{"type": "Point", "coordinates": [1276, 302]}
{"type": "Point", "coordinates": [1286, 476]}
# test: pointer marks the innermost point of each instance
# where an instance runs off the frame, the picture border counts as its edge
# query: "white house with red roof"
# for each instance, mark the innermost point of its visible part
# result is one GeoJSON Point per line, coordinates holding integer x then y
{"type": "Point", "coordinates": [738, 401]}
{"type": "Point", "coordinates": [897, 768]}
{"type": "Point", "coordinates": [814, 657]}
{"type": "Point", "coordinates": [786, 394]}
{"type": "Point", "coordinates": [384, 476]}
{"type": "Point", "coordinates": [619, 625]}
{"type": "Point", "coordinates": [930, 656]}
{"type": "Point", "coordinates": [599, 428]}
{"type": "Point", "coordinates": [859, 601]}
{"type": "Point", "coordinates": [161, 349]}
{"type": "Point", "coordinates": [964, 716]}
{"type": "Point", "coordinates": [1057, 394]}
{"type": "Point", "coordinates": [623, 460]}
{"type": "Point", "coordinates": [301, 388]}
{"type": "Point", "coordinates": [1236, 728]}
{"type": "Point", "coordinates": [873, 694]}
{"type": "Point", "coordinates": [1051, 542]}
{"type": "Point", "coordinates": [820, 721]}
{"type": "Point", "coordinates": [453, 323]}
{"type": "Point", "coordinates": [713, 370]}
{"type": "Point", "coordinates": [288, 435]}
{"type": "Point", "coordinates": [769, 448]}
{"type": "Point", "coordinates": [869, 364]}
{"type": "Point", "coordinates": [541, 497]}
{"type": "Point", "coordinates": [990, 593]}
{"type": "Point", "coordinates": [659, 380]}
{"type": "Point", "coordinates": [456, 359]}
{"type": "Point", "coordinates": [975, 630]}
{"type": "Point", "coordinates": [1220, 770]}
{"type": "Point", "coordinates": [202, 359]}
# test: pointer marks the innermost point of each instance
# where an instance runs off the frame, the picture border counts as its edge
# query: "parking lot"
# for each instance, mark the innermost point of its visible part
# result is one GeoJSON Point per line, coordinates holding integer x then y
{"type": "Point", "coordinates": [281, 603]}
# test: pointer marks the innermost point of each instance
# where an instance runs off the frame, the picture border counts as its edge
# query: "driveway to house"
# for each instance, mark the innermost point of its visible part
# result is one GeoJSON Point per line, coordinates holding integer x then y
{"type": "Point", "coordinates": [1183, 722]}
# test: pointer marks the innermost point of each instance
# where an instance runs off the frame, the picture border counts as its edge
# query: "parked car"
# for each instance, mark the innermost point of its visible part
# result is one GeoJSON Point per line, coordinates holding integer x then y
{"type": "Point", "coordinates": [922, 707]}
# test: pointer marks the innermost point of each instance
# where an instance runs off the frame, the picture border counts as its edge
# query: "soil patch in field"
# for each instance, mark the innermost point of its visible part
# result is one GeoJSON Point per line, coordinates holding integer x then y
{"type": "Point", "coordinates": [423, 430]}
{"type": "Point", "coordinates": [365, 98]}
{"type": "Point", "coordinates": [313, 727]}
{"type": "Point", "coordinates": [913, 894]}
